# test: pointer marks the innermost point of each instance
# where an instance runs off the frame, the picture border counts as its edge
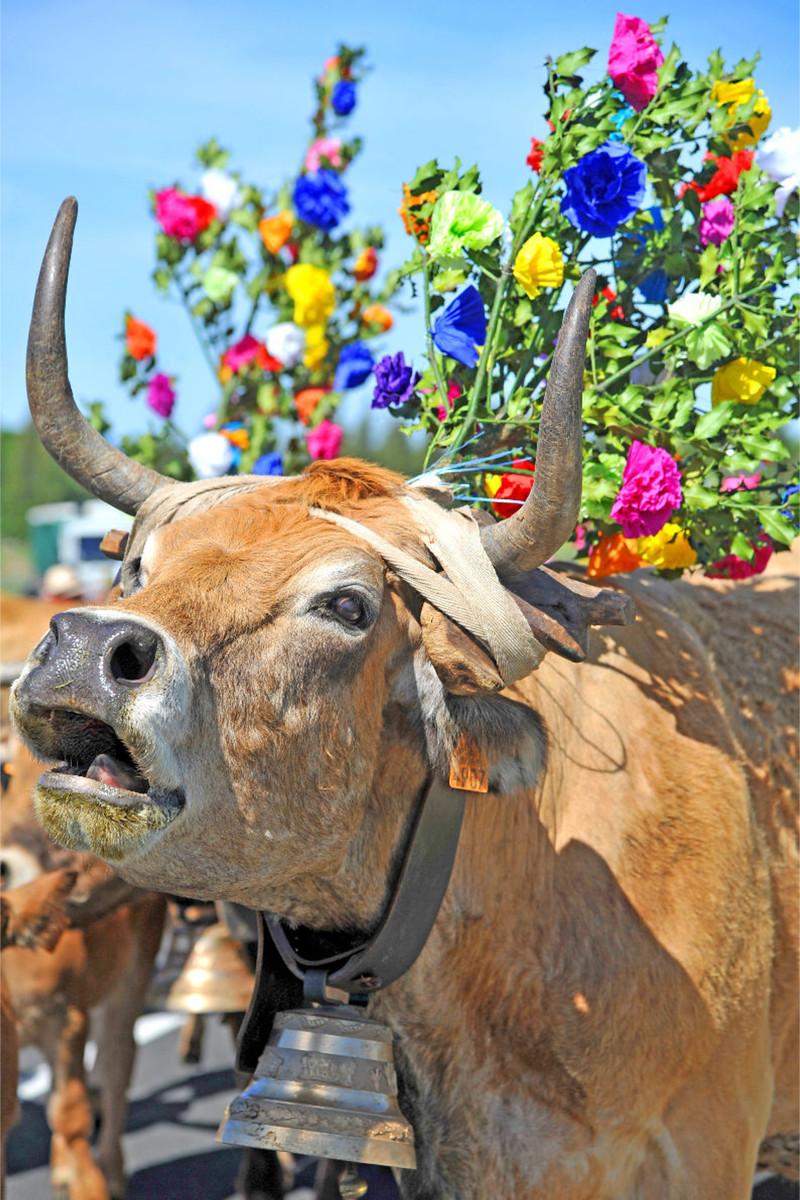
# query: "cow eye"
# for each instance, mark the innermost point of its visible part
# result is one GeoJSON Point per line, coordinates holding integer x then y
{"type": "Point", "coordinates": [350, 608]}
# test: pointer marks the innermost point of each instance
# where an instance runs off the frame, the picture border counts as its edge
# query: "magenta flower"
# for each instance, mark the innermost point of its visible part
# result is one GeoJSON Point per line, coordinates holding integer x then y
{"type": "Point", "coordinates": [716, 222]}
{"type": "Point", "coordinates": [650, 492]}
{"type": "Point", "coordinates": [325, 440]}
{"type": "Point", "coordinates": [240, 354]}
{"type": "Point", "coordinates": [633, 61]}
{"type": "Point", "coordinates": [330, 148]}
{"type": "Point", "coordinates": [161, 395]}
{"type": "Point", "coordinates": [183, 217]}
{"type": "Point", "coordinates": [453, 392]}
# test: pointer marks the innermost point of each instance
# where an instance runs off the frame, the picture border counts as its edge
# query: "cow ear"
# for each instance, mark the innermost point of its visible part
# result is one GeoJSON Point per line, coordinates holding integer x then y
{"type": "Point", "coordinates": [464, 668]}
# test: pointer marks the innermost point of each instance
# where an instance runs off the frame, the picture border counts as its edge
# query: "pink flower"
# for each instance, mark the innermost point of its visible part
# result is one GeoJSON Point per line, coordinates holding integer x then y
{"type": "Point", "coordinates": [161, 395]}
{"type": "Point", "coordinates": [183, 217]}
{"type": "Point", "coordinates": [209, 420]}
{"type": "Point", "coordinates": [650, 492]}
{"type": "Point", "coordinates": [733, 567]}
{"type": "Point", "coordinates": [453, 392]}
{"type": "Point", "coordinates": [716, 222]}
{"type": "Point", "coordinates": [734, 482]}
{"type": "Point", "coordinates": [633, 61]}
{"type": "Point", "coordinates": [241, 353]}
{"type": "Point", "coordinates": [325, 440]}
{"type": "Point", "coordinates": [580, 537]}
{"type": "Point", "coordinates": [331, 148]}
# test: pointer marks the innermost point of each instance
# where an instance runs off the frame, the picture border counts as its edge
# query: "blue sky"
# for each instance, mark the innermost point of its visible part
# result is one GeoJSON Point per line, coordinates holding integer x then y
{"type": "Point", "coordinates": [105, 100]}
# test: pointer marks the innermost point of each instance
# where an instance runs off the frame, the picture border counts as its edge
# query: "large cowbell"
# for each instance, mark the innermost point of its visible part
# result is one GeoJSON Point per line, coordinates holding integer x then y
{"type": "Point", "coordinates": [325, 1085]}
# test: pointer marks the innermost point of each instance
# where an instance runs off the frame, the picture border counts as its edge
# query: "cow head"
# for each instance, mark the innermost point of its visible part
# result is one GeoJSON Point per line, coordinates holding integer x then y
{"type": "Point", "coordinates": [254, 714]}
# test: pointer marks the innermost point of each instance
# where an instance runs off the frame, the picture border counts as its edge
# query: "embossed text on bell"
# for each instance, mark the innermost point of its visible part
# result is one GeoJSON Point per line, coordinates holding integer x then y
{"type": "Point", "coordinates": [325, 1086]}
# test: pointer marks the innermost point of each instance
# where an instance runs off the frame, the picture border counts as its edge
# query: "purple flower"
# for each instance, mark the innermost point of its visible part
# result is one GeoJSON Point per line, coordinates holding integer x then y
{"type": "Point", "coordinates": [343, 97]}
{"type": "Point", "coordinates": [395, 381]}
{"type": "Point", "coordinates": [716, 222]}
{"type": "Point", "coordinates": [604, 189]}
{"type": "Point", "coordinates": [268, 464]}
{"type": "Point", "coordinates": [650, 492]}
{"type": "Point", "coordinates": [354, 365]}
{"type": "Point", "coordinates": [161, 395]}
{"type": "Point", "coordinates": [321, 199]}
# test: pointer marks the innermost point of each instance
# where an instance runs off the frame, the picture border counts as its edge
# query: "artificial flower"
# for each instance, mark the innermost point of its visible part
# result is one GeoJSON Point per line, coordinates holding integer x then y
{"type": "Point", "coordinates": [618, 119]}
{"type": "Point", "coordinates": [313, 293]}
{"type": "Point", "coordinates": [317, 346]}
{"type": "Point", "coordinates": [395, 380]}
{"type": "Point", "coordinates": [716, 222]}
{"type": "Point", "coordinates": [536, 155]}
{"type": "Point", "coordinates": [210, 455]}
{"type": "Point", "coordinates": [183, 217]}
{"type": "Point", "coordinates": [325, 441]}
{"type": "Point", "coordinates": [669, 549]}
{"type": "Point", "coordinates": [161, 395]}
{"type": "Point", "coordinates": [222, 191]}
{"type": "Point", "coordinates": [744, 380]}
{"type": "Point", "coordinates": [321, 199]}
{"type": "Point", "coordinates": [735, 94]}
{"type": "Point", "coordinates": [354, 365]}
{"type": "Point", "coordinates": [453, 392]}
{"type": "Point", "coordinates": [490, 483]}
{"type": "Point", "coordinates": [708, 342]}
{"type": "Point", "coordinates": [140, 339]}
{"type": "Point", "coordinates": [330, 148]}
{"type": "Point", "coordinates": [417, 226]}
{"type": "Point", "coordinates": [693, 307]}
{"type": "Point", "coordinates": [513, 489]}
{"type": "Point", "coordinates": [740, 482]}
{"type": "Point", "coordinates": [612, 555]}
{"type": "Point", "coordinates": [236, 434]}
{"type": "Point", "coordinates": [219, 284]}
{"type": "Point", "coordinates": [779, 156]}
{"type": "Point", "coordinates": [654, 286]}
{"type": "Point", "coordinates": [248, 349]}
{"type": "Point", "coordinates": [539, 264]}
{"type": "Point", "coordinates": [617, 313]}
{"type": "Point", "coordinates": [650, 492]}
{"type": "Point", "coordinates": [633, 61]}
{"type": "Point", "coordinates": [462, 219]}
{"type": "Point", "coordinates": [365, 265]}
{"type": "Point", "coordinates": [209, 420]}
{"type": "Point", "coordinates": [725, 179]}
{"type": "Point", "coordinates": [307, 400]}
{"type": "Point", "coordinates": [268, 464]}
{"type": "Point", "coordinates": [376, 314]}
{"type": "Point", "coordinates": [286, 341]}
{"type": "Point", "coordinates": [462, 327]}
{"type": "Point", "coordinates": [276, 231]}
{"type": "Point", "coordinates": [734, 567]}
{"type": "Point", "coordinates": [343, 97]}
{"type": "Point", "coordinates": [604, 189]}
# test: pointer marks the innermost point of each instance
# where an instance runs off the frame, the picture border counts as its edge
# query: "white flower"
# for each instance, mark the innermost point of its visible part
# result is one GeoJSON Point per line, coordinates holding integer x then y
{"type": "Point", "coordinates": [779, 156]}
{"type": "Point", "coordinates": [210, 454]}
{"type": "Point", "coordinates": [693, 308]}
{"type": "Point", "coordinates": [286, 342]}
{"type": "Point", "coordinates": [221, 190]}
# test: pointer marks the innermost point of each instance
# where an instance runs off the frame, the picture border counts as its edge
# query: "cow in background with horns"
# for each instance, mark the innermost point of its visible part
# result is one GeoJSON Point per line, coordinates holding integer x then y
{"type": "Point", "coordinates": [606, 1006]}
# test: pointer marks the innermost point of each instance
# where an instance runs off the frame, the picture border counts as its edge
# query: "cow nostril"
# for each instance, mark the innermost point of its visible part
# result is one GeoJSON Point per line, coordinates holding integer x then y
{"type": "Point", "coordinates": [133, 661]}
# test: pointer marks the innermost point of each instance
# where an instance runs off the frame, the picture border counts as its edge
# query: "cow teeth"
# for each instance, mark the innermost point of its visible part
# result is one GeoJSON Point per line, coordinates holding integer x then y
{"type": "Point", "coordinates": [111, 771]}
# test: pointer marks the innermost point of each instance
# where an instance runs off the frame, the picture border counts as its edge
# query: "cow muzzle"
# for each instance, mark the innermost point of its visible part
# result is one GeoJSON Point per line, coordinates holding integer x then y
{"type": "Point", "coordinates": [76, 702]}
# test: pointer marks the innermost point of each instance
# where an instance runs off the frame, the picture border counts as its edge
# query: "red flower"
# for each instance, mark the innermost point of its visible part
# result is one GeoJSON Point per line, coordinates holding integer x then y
{"type": "Point", "coordinates": [365, 265]}
{"type": "Point", "coordinates": [534, 159]}
{"type": "Point", "coordinates": [725, 179]}
{"type": "Point", "coordinates": [616, 313]}
{"type": "Point", "coordinates": [513, 488]}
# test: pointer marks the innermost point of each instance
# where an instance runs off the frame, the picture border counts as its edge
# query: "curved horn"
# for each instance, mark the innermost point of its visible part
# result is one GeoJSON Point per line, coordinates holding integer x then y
{"type": "Point", "coordinates": [64, 431]}
{"type": "Point", "coordinates": [547, 518]}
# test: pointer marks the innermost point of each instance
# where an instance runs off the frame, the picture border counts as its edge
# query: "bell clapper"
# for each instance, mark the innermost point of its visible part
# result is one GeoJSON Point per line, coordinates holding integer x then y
{"type": "Point", "coordinates": [351, 1185]}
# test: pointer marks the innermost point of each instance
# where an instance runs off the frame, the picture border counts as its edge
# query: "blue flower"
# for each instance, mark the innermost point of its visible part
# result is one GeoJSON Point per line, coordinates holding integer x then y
{"type": "Point", "coordinates": [268, 464]}
{"type": "Point", "coordinates": [395, 381]}
{"type": "Point", "coordinates": [620, 117]}
{"type": "Point", "coordinates": [321, 199]}
{"type": "Point", "coordinates": [355, 364]}
{"type": "Point", "coordinates": [791, 512]}
{"type": "Point", "coordinates": [461, 327]}
{"type": "Point", "coordinates": [343, 97]}
{"type": "Point", "coordinates": [654, 286]}
{"type": "Point", "coordinates": [604, 189]}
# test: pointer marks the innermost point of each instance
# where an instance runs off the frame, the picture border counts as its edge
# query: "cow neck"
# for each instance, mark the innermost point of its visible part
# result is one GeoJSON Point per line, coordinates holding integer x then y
{"type": "Point", "coordinates": [408, 917]}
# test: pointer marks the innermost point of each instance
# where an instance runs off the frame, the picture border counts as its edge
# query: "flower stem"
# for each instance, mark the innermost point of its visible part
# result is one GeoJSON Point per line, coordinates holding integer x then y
{"type": "Point", "coordinates": [207, 355]}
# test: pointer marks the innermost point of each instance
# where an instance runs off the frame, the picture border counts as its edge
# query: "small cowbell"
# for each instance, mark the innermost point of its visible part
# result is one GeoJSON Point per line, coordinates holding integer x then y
{"type": "Point", "coordinates": [215, 978]}
{"type": "Point", "coordinates": [325, 1085]}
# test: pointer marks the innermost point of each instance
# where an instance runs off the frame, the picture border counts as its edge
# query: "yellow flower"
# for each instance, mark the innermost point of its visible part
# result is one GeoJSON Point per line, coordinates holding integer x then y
{"type": "Point", "coordinates": [743, 380]}
{"type": "Point", "coordinates": [317, 346]}
{"type": "Point", "coordinates": [313, 293]}
{"type": "Point", "coordinates": [539, 264]}
{"type": "Point", "coordinates": [491, 483]}
{"type": "Point", "coordinates": [668, 549]}
{"type": "Point", "coordinates": [739, 93]}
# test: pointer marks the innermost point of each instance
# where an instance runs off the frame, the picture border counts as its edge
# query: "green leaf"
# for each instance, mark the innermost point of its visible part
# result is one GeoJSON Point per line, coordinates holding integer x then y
{"type": "Point", "coordinates": [568, 64]}
{"type": "Point", "coordinates": [711, 422]}
{"type": "Point", "coordinates": [742, 547]}
{"type": "Point", "coordinates": [777, 525]}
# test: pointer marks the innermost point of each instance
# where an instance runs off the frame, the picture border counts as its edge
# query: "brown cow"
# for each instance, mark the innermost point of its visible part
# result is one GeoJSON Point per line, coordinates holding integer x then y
{"type": "Point", "coordinates": [607, 1003]}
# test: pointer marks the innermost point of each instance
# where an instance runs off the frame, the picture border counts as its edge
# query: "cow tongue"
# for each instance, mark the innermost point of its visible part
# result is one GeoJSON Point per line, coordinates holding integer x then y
{"type": "Point", "coordinates": [106, 769]}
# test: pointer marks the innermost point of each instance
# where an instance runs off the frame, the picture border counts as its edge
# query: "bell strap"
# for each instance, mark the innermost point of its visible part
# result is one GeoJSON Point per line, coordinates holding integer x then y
{"type": "Point", "coordinates": [409, 916]}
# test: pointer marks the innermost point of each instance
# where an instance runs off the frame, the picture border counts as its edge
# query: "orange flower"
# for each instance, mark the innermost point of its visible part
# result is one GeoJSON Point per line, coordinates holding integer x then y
{"type": "Point", "coordinates": [267, 361]}
{"type": "Point", "coordinates": [365, 265]}
{"type": "Point", "coordinates": [376, 314]}
{"type": "Point", "coordinates": [419, 227]}
{"type": "Point", "coordinates": [613, 555]}
{"type": "Point", "coordinates": [306, 401]}
{"type": "Point", "coordinates": [140, 339]}
{"type": "Point", "coordinates": [236, 437]}
{"type": "Point", "coordinates": [276, 231]}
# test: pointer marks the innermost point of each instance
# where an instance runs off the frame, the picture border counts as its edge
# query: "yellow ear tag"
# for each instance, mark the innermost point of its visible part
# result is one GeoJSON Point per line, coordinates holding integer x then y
{"type": "Point", "coordinates": [469, 770]}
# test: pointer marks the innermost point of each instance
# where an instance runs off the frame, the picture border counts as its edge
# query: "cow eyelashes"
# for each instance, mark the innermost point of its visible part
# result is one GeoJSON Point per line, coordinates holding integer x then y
{"type": "Point", "coordinates": [349, 608]}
